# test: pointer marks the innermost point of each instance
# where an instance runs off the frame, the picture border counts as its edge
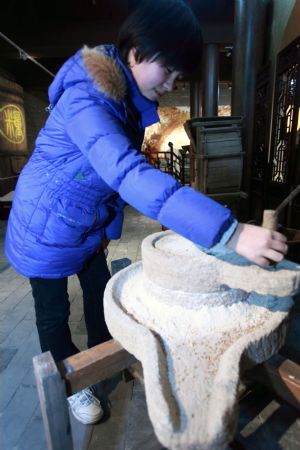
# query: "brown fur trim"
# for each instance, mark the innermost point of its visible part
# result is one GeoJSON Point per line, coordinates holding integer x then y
{"type": "Point", "coordinates": [105, 72]}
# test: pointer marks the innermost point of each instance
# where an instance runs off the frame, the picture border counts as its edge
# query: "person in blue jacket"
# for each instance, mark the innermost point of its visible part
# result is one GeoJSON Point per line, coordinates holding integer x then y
{"type": "Point", "coordinates": [87, 164]}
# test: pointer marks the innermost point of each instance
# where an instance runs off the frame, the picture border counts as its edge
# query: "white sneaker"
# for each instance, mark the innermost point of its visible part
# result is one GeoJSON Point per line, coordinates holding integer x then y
{"type": "Point", "coordinates": [85, 406]}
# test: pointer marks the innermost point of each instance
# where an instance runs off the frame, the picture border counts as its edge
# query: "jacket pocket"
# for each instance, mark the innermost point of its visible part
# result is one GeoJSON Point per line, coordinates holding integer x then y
{"type": "Point", "coordinates": [67, 224]}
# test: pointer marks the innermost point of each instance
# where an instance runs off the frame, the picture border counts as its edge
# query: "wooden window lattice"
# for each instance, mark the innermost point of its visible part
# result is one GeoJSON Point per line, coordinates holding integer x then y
{"type": "Point", "coordinates": [285, 116]}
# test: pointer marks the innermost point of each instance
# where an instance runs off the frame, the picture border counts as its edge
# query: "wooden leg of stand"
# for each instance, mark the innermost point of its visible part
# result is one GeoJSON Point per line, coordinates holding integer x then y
{"type": "Point", "coordinates": [53, 403]}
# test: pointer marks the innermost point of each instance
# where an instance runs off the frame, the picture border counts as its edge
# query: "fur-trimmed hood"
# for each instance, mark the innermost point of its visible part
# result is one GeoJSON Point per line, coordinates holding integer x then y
{"type": "Point", "coordinates": [101, 70]}
{"type": "Point", "coordinates": [105, 71]}
{"type": "Point", "coordinates": [101, 65]}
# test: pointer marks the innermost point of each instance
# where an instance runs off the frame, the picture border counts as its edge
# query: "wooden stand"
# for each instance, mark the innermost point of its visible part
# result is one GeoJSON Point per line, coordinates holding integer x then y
{"type": "Point", "coordinates": [56, 382]}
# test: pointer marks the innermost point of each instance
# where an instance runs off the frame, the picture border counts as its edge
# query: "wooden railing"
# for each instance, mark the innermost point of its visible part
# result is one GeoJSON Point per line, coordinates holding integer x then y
{"type": "Point", "coordinates": [174, 162]}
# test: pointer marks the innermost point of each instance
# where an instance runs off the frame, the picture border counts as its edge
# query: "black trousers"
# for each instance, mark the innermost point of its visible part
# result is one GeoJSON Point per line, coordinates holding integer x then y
{"type": "Point", "coordinates": [52, 308]}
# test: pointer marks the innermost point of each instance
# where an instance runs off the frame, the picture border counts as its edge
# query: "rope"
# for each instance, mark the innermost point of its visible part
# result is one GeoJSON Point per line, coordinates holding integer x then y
{"type": "Point", "coordinates": [24, 55]}
{"type": "Point", "coordinates": [288, 199]}
{"type": "Point", "coordinates": [8, 178]}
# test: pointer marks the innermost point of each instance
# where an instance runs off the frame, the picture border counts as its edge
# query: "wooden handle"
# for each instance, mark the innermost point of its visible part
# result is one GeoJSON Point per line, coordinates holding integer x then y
{"type": "Point", "coordinates": [270, 216]}
{"type": "Point", "coordinates": [270, 219]}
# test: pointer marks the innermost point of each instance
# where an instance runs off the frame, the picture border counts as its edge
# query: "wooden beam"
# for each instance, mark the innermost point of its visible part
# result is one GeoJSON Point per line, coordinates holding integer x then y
{"type": "Point", "coordinates": [93, 365]}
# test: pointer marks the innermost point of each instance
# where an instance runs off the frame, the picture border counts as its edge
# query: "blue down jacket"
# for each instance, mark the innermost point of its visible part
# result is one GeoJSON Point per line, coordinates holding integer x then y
{"type": "Point", "coordinates": [87, 164]}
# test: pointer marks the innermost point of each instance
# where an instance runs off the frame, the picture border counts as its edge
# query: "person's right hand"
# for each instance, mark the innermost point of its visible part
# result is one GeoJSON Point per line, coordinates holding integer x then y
{"type": "Point", "coordinates": [259, 245]}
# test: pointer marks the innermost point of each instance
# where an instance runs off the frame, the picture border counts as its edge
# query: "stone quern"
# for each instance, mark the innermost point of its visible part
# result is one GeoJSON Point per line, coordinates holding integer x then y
{"type": "Point", "coordinates": [196, 319]}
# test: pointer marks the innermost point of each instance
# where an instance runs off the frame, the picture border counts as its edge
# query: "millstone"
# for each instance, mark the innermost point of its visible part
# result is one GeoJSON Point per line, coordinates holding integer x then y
{"type": "Point", "coordinates": [196, 320]}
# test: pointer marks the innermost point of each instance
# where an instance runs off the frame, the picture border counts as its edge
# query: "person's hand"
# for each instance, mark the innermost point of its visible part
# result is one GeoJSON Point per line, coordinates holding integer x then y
{"type": "Point", "coordinates": [258, 244]}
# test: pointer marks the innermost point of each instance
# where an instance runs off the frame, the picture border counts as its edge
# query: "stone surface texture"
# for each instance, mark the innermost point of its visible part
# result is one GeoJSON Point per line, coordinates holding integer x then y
{"type": "Point", "coordinates": [196, 321]}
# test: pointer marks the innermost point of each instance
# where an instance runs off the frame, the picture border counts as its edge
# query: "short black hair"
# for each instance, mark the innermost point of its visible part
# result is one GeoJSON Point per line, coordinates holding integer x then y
{"type": "Point", "coordinates": [166, 30]}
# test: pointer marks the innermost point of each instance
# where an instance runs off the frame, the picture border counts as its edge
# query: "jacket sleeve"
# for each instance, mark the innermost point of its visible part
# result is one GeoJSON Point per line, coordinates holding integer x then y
{"type": "Point", "coordinates": [97, 132]}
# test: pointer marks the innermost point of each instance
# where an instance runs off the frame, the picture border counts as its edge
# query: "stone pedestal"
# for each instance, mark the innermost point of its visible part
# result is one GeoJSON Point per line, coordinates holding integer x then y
{"type": "Point", "coordinates": [195, 321]}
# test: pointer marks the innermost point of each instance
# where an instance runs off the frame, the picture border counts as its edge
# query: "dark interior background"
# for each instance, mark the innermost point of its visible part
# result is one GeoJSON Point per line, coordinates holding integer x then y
{"type": "Point", "coordinates": [52, 31]}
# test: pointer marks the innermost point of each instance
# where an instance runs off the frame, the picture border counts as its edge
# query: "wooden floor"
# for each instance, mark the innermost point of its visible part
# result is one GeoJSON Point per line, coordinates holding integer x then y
{"type": "Point", "coordinates": [264, 423]}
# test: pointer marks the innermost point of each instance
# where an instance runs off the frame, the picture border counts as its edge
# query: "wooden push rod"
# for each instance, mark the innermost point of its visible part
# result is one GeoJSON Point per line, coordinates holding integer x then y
{"type": "Point", "coordinates": [270, 216]}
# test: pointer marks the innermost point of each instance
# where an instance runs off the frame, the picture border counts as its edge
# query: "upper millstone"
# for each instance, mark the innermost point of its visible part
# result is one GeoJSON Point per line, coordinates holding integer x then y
{"type": "Point", "coordinates": [173, 262]}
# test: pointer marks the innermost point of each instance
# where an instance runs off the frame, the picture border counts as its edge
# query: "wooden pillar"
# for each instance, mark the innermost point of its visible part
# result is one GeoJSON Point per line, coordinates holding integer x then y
{"type": "Point", "coordinates": [248, 48]}
{"type": "Point", "coordinates": [210, 80]}
{"type": "Point", "coordinates": [195, 98]}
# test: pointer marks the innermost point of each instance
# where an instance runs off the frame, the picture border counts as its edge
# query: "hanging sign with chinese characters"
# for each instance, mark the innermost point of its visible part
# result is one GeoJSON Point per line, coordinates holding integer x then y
{"type": "Point", "coordinates": [12, 124]}
{"type": "Point", "coordinates": [12, 119]}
